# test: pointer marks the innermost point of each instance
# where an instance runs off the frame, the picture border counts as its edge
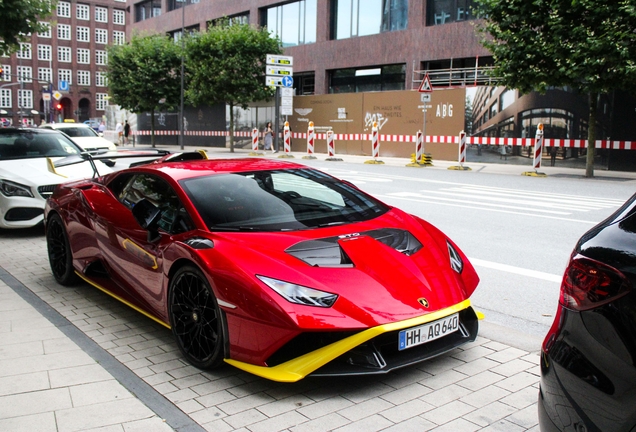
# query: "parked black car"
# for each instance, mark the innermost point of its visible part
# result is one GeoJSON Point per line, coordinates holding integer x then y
{"type": "Point", "coordinates": [588, 358]}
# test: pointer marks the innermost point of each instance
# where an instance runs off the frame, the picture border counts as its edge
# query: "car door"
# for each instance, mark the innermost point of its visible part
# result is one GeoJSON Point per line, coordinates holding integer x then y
{"type": "Point", "coordinates": [134, 258]}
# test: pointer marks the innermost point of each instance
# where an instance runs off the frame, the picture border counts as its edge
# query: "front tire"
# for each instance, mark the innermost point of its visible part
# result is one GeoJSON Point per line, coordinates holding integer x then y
{"type": "Point", "coordinates": [195, 318]}
{"type": "Point", "coordinates": [59, 249]}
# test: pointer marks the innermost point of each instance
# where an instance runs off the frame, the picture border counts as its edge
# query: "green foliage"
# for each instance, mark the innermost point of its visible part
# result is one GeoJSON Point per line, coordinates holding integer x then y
{"type": "Point", "coordinates": [18, 18]}
{"type": "Point", "coordinates": [143, 72]}
{"type": "Point", "coordinates": [589, 45]}
{"type": "Point", "coordinates": [227, 65]}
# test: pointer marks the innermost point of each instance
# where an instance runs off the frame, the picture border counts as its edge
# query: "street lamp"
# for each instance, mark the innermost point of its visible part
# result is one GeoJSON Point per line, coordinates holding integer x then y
{"type": "Point", "coordinates": [182, 68]}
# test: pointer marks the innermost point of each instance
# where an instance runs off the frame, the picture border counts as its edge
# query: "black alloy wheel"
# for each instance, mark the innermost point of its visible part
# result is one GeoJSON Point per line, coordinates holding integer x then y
{"type": "Point", "coordinates": [59, 249]}
{"type": "Point", "coordinates": [195, 318]}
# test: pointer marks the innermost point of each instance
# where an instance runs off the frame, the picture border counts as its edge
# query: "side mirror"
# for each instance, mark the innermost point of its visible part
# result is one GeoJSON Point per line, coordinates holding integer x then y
{"type": "Point", "coordinates": [148, 216]}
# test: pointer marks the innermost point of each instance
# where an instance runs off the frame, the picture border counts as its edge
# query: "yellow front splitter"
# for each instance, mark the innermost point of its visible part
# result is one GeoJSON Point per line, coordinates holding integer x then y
{"type": "Point", "coordinates": [298, 368]}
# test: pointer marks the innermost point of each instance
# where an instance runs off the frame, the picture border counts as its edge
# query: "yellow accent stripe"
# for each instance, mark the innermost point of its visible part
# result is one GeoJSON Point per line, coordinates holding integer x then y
{"type": "Point", "coordinates": [480, 315]}
{"type": "Point", "coordinates": [298, 368]}
{"type": "Point", "coordinates": [127, 303]}
{"type": "Point", "coordinates": [51, 167]}
{"type": "Point", "coordinates": [203, 153]}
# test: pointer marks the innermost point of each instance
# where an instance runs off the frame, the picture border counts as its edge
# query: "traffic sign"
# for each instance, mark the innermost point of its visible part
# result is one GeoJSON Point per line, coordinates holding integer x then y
{"type": "Point", "coordinates": [425, 97]}
{"type": "Point", "coordinates": [279, 70]}
{"type": "Point", "coordinates": [287, 92]}
{"type": "Point", "coordinates": [62, 85]}
{"type": "Point", "coordinates": [57, 95]}
{"type": "Point", "coordinates": [46, 96]}
{"type": "Point", "coordinates": [286, 110]}
{"type": "Point", "coordinates": [287, 81]}
{"type": "Point", "coordinates": [280, 60]}
{"type": "Point", "coordinates": [426, 86]}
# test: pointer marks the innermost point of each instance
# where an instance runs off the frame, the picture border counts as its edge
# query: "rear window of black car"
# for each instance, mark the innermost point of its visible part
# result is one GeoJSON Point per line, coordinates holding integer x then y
{"type": "Point", "coordinates": [278, 200]}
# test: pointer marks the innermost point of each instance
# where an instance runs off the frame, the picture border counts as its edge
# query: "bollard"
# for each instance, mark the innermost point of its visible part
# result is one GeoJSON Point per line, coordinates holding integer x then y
{"type": "Point", "coordinates": [311, 136]}
{"type": "Point", "coordinates": [538, 150]}
{"type": "Point", "coordinates": [286, 142]}
{"type": "Point", "coordinates": [461, 150]}
{"type": "Point", "coordinates": [331, 148]}
{"type": "Point", "coordinates": [255, 151]}
{"type": "Point", "coordinates": [375, 145]}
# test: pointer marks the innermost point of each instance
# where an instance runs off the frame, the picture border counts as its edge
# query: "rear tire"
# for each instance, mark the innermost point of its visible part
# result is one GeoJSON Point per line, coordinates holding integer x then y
{"type": "Point", "coordinates": [195, 318]}
{"type": "Point", "coordinates": [59, 249]}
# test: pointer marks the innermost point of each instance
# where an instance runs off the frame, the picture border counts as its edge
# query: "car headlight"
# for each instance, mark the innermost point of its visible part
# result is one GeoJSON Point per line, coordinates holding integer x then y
{"type": "Point", "coordinates": [299, 294]}
{"type": "Point", "coordinates": [456, 261]}
{"type": "Point", "coordinates": [11, 189]}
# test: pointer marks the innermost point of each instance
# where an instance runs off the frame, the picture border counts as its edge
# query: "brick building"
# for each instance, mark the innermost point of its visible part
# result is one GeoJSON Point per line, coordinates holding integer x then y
{"type": "Point", "coordinates": [70, 57]}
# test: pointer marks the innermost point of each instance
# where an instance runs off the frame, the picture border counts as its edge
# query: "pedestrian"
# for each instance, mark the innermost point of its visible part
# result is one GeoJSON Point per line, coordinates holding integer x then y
{"type": "Point", "coordinates": [101, 128]}
{"type": "Point", "coordinates": [553, 155]}
{"type": "Point", "coordinates": [269, 135]}
{"type": "Point", "coordinates": [126, 132]}
{"type": "Point", "coordinates": [119, 130]}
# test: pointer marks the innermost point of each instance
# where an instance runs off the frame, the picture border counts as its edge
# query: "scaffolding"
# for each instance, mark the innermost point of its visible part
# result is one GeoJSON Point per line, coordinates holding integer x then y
{"type": "Point", "coordinates": [455, 77]}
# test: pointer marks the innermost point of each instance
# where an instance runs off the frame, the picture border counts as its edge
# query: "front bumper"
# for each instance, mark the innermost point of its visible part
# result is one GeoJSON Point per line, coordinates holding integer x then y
{"type": "Point", "coordinates": [21, 212]}
{"type": "Point", "coordinates": [347, 356]}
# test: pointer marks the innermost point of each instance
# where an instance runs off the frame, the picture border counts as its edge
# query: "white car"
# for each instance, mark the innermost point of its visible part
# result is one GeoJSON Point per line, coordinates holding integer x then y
{"type": "Point", "coordinates": [83, 135]}
{"type": "Point", "coordinates": [28, 172]}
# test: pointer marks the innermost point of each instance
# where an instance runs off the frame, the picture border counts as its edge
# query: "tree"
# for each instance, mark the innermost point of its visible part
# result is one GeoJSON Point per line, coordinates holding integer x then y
{"type": "Point", "coordinates": [19, 18]}
{"type": "Point", "coordinates": [227, 65]}
{"type": "Point", "coordinates": [588, 45]}
{"type": "Point", "coordinates": [144, 76]}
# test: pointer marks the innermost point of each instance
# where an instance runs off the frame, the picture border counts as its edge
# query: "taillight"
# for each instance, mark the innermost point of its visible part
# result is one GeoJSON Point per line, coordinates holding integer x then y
{"type": "Point", "coordinates": [588, 284]}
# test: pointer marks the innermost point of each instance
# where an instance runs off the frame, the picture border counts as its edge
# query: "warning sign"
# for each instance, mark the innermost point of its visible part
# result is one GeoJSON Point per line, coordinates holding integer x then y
{"type": "Point", "coordinates": [426, 86]}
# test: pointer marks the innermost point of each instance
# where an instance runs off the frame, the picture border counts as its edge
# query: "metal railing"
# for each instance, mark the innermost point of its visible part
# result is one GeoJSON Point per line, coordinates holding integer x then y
{"type": "Point", "coordinates": [459, 77]}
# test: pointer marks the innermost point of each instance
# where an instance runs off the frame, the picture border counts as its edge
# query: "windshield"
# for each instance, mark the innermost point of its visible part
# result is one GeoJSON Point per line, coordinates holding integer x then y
{"type": "Point", "coordinates": [279, 200]}
{"type": "Point", "coordinates": [78, 132]}
{"type": "Point", "coordinates": [28, 145]}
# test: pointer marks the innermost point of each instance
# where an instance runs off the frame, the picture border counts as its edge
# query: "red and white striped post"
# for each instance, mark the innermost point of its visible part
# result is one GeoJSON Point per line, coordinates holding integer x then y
{"type": "Point", "coordinates": [419, 147]}
{"type": "Point", "coordinates": [255, 140]}
{"type": "Point", "coordinates": [310, 139]}
{"type": "Point", "coordinates": [287, 138]}
{"type": "Point", "coordinates": [375, 141]}
{"type": "Point", "coordinates": [462, 149]}
{"type": "Point", "coordinates": [538, 147]}
{"type": "Point", "coordinates": [331, 150]}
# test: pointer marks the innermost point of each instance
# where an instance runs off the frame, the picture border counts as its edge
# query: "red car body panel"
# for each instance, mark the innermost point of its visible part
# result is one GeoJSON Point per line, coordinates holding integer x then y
{"type": "Point", "coordinates": [382, 287]}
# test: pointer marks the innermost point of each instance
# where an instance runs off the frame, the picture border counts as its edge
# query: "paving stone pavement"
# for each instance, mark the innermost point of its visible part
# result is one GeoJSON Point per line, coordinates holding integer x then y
{"type": "Point", "coordinates": [83, 361]}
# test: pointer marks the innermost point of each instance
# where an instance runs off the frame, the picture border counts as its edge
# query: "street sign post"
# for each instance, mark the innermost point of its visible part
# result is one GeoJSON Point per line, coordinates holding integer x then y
{"type": "Point", "coordinates": [272, 59]}
{"type": "Point", "coordinates": [279, 72]}
{"type": "Point", "coordinates": [62, 85]}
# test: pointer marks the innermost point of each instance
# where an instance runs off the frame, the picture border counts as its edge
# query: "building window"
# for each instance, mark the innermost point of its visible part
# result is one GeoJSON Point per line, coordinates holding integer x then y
{"type": "Point", "coordinates": [83, 34]}
{"type": "Point", "coordinates": [65, 75]}
{"type": "Point", "coordinates": [381, 78]}
{"type": "Point", "coordinates": [101, 14]}
{"type": "Point", "coordinates": [6, 73]}
{"type": "Point", "coordinates": [25, 98]}
{"type": "Point", "coordinates": [294, 23]}
{"type": "Point", "coordinates": [83, 78]}
{"type": "Point", "coordinates": [101, 36]}
{"type": "Point", "coordinates": [25, 74]}
{"type": "Point", "coordinates": [44, 52]}
{"type": "Point", "coordinates": [46, 33]}
{"type": "Point", "coordinates": [177, 4]}
{"type": "Point", "coordinates": [64, 54]}
{"type": "Point", "coordinates": [366, 17]}
{"type": "Point", "coordinates": [5, 98]}
{"type": "Point", "coordinates": [64, 31]}
{"type": "Point", "coordinates": [304, 83]}
{"type": "Point", "coordinates": [25, 51]}
{"type": "Point", "coordinates": [448, 11]}
{"type": "Point", "coordinates": [240, 19]}
{"type": "Point", "coordinates": [101, 57]}
{"type": "Point", "coordinates": [83, 12]}
{"type": "Point", "coordinates": [100, 79]}
{"type": "Point", "coordinates": [147, 9]}
{"type": "Point", "coordinates": [119, 17]}
{"type": "Point", "coordinates": [101, 100]}
{"type": "Point", "coordinates": [83, 56]}
{"type": "Point", "coordinates": [64, 9]}
{"type": "Point", "coordinates": [119, 37]}
{"type": "Point", "coordinates": [45, 74]}
{"type": "Point", "coordinates": [506, 98]}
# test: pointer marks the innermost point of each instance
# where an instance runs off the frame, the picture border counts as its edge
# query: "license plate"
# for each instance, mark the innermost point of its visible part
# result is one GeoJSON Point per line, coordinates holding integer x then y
{"type": "Point", "coordinates": [428, 332]}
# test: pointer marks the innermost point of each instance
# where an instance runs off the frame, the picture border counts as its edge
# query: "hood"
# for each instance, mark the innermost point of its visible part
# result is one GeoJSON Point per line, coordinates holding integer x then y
{"type": "Point", "coordinates": [35, 172]}
{"type": "Point", "coordinates": [89, 143]}
{"type": "Point", "coordinates": [379, 269]}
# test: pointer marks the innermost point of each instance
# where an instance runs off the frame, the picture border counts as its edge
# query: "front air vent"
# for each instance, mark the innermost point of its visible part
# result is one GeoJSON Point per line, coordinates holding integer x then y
{"type": "Point", "coordinates": [46, 190]}
{"type": "Point", "coordinates": [327, 252]}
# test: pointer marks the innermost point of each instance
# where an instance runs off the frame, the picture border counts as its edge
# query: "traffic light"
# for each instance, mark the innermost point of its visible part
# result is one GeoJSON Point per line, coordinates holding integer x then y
{"type": "Point", "coordinates": [1, 71]}
{"type": "Point", "coordinates": [58, 106]}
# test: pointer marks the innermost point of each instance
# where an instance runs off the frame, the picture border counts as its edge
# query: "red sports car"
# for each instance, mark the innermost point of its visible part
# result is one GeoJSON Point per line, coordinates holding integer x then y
{"type": "Point", "coordinates": [273, 267]}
